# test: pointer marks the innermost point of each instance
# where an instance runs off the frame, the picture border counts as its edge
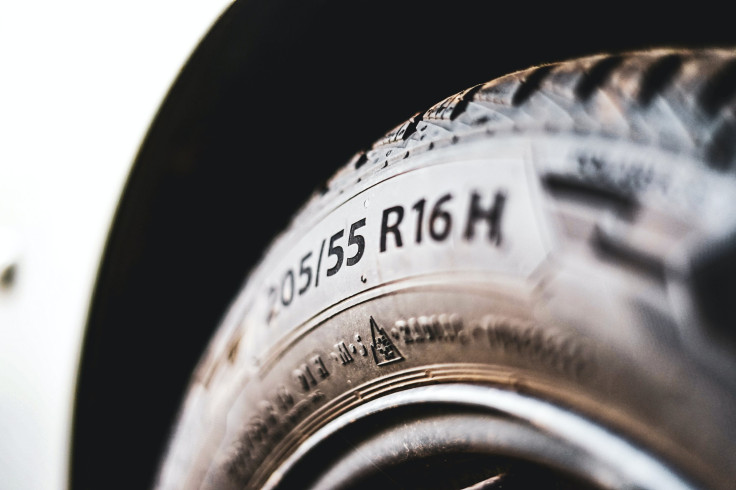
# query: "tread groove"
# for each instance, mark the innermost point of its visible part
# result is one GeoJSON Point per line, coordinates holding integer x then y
{"type": "Point", "coordinates": [722, 147]}
{"type": "Point", "coordinates": [658, 76]}
{"type": "Point", "coordinates": [411, 128]}
{"type": "Point", "coordinates": [720, 89]}
{"type": "Point", "coordinates": [362, 159]}
{"type": "Point", "coordinates": [464, 101]}
{"type": "Point", "coordinates": [530, 85]}
{"type": "Point", "coordinates": [598, 75]}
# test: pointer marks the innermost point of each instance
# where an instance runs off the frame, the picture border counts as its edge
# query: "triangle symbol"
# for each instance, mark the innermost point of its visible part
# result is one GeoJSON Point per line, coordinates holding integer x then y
{"type": "Point", "coordinates": [383, 348]}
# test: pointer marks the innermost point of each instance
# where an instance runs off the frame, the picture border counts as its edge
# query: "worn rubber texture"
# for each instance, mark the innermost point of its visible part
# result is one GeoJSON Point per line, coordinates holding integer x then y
{"type": "Point", "coordinates": [564, 232]}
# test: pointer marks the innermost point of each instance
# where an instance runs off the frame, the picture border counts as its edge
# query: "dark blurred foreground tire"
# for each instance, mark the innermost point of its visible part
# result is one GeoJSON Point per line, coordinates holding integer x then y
{"type": "Point", "coordinates": [529, 284]}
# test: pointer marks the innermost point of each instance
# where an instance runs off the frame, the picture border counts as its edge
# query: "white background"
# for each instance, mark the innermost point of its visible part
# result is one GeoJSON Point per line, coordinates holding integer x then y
{"type": "Point", "coordinates": [80, 82]}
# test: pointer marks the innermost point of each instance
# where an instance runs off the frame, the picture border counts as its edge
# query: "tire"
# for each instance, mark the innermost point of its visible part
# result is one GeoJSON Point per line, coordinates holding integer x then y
{"type": "Point", "coordinates": [529, 282]}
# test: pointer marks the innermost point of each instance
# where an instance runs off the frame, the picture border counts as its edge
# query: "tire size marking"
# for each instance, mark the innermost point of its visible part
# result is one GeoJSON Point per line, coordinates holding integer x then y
{"type": "Point", "coordinates": [292, 287]}
{"type": "Point", "coordinates": [425, 221]}
{"type": "Point", "coordinates": [440, 222]}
